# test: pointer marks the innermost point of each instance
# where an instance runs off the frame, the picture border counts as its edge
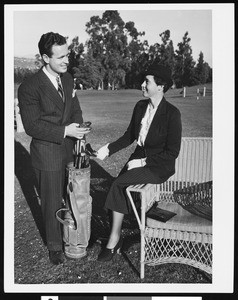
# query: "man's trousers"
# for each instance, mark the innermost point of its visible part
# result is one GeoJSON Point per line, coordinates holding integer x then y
{"type": "Point", "coordinates": [51, 187]}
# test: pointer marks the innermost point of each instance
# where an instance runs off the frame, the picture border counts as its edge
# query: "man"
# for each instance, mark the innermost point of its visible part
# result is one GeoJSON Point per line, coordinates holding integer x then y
{"type": "Point", "coordinates": [51, 114]}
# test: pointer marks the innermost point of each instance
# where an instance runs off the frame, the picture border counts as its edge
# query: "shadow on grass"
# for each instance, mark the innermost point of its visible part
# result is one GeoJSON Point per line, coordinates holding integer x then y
{"type": "Point", "coordinates": [99, 186]}
{"type": "Point", "coordinates": [27, 181]}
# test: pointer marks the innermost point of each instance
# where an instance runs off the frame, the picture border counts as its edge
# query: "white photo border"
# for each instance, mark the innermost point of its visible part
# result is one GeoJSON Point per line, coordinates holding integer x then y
{"type": "Point", "coordinates": [223, 150]}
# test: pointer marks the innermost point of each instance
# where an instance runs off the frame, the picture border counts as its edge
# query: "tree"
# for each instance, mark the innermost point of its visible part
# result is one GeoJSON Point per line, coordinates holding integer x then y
{"type": "Point", "coordinates": [202, 70]}
{"type": "Point", "coordinates": [39, 61]}
{"type": "Point", "coordinates": [164, 53]}
{"type": "Point", "coordinates": [137, 54]}
{"type": "Point", "coordinates": [114, 56]}
{"type": "Point", "coordinates": [20, 74]}
{"type": "Point", "coordinates": [209, 72]}
{"type": "Point", "coordinates": [184, 64]}
{"type": "Point", "coordinates": [199, 69]}
{"type": "Point", "coordinates": [76, 50]}
{"type": "Point", "coordinates": [108, 44]}
{"type": "Point", "coordinates": [134, 76]}
{"type": "Point", "coordinates": [88, 72]}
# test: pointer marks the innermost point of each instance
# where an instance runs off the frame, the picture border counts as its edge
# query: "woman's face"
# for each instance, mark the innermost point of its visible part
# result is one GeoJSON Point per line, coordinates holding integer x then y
{"type": "Point", "coordinates": [149, 87]}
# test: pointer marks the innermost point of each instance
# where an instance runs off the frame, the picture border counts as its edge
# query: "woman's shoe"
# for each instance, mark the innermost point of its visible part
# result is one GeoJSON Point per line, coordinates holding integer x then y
{"type": "Point", "coordinates": [107, 254]}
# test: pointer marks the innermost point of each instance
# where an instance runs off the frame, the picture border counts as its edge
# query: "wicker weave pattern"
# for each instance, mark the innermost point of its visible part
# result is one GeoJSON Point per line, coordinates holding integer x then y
{"type": "Point", "coordinates": [196, 194]}
{"type": "Point", "coordinates": [180, 241]}
{"type": "Point", "coordinates": [166, 250]}
{"type": "Point", "coordinates": [196, 199]}
{"type": "Point", "coordinates": [194, 165]}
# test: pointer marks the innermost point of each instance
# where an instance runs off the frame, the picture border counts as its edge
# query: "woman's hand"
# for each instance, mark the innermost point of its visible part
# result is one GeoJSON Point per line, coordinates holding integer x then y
{"type": "Point", "coordinates": [136, 163]}
{"type": "Point", "coordinates": [103, 152]}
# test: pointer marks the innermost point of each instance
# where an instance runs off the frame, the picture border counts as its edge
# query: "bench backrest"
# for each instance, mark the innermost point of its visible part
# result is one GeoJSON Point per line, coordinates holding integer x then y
{"type": "Point", "coordinates": [193, 165]}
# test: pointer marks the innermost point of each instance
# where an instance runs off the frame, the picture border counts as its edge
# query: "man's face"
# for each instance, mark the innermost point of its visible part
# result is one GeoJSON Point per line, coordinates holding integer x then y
{"type": "Point", "coordinates": [59, 60]}
{"type": "Point", "coordinates": [149, 87]}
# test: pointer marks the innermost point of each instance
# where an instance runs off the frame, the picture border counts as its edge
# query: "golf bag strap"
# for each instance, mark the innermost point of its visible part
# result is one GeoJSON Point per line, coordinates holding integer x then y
{"type": "Point", "coordinates": [73, 203]}
{"type": "Point", "coordinates": [64, 222]}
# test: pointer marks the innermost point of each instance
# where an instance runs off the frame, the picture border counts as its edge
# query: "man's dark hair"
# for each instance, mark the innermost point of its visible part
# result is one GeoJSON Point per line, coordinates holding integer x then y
{"type": "Point", "coordinates": [48, 40]}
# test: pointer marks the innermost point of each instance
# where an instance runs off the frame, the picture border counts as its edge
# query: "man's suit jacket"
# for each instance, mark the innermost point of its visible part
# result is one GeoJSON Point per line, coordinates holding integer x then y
{"type": "Point", "coordinates": [163, 141]}
{"type": "Point", "coordinates": [45, 115]}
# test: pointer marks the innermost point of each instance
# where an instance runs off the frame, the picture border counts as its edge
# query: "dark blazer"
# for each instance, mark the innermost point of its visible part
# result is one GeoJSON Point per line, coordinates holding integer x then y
{"type": "Point", "coordinates": [163, 141]}
{"type": "Point", "coordinates": [44, 116]}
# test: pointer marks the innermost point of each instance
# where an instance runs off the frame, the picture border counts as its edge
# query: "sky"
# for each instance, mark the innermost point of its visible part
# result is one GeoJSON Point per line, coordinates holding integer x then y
{"type": "Point", "coordinates": [30, 22]}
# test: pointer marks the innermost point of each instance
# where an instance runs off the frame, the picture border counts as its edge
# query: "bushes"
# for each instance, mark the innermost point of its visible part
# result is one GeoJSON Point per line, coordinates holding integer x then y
{"type": "Point", "coordinates": [20, 74]}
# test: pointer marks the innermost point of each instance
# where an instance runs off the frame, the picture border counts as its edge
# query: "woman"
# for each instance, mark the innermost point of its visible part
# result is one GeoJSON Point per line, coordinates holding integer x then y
{"type": "Point", "coordinates": [156, 126]}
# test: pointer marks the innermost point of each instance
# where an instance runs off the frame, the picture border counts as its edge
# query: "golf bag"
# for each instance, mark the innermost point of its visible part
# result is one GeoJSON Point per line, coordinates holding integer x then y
{"type": "Point", "coordinates": [78, 207]}
{"type": "Point", "coordinates": [77, 213]}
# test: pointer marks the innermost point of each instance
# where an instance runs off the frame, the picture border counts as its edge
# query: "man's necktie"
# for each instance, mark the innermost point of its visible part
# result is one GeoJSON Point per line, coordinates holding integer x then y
{"type": "Point", "coordinates": [60, 88]}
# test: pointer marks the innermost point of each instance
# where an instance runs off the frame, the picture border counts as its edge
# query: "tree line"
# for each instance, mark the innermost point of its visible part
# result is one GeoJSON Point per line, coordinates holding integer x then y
{"type": "Point", "coordinates": [114, 56]}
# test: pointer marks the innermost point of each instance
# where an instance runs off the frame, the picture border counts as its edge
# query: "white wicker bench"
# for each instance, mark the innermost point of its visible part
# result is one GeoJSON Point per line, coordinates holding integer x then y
{"type": "Point", "coordinates": [185, 238]}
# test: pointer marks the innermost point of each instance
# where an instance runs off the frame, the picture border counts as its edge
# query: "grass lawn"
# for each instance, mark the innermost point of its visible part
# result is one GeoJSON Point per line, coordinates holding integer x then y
{"type": "Point", "coordinates": [110, 113]}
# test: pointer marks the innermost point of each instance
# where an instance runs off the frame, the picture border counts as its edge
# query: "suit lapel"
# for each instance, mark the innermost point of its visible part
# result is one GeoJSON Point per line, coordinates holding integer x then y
{"type": "Point", "coordinates": [66, 87]}
{"type": "Point", "coordinates": [138, 117]}
{"type": "Point", "coordinates": [49, 90]}
{"type": "Point", "coordinates": [68, 95]}
{"type": "Point", "coordinates": [158, 121]}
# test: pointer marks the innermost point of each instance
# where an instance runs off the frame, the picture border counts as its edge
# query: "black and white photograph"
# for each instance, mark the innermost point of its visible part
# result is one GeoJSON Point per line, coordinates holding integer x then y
{"type": "Point", "coordinates": [119, 128]}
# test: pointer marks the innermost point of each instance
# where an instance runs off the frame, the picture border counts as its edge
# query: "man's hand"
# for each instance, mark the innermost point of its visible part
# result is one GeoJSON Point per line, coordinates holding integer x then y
{"type": "Point", "coordinates": [136, 163]}
{"type": "Point", "coordinates": [103, 152]}
{"type": "Point", "coordinates": [77, 132]}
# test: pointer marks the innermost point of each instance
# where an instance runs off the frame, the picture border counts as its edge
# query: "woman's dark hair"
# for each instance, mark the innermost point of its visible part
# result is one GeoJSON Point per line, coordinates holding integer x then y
{"type": "Point", "coordinates": [160, 81]}
{"type": "Point", "coordinates": [48, 40]}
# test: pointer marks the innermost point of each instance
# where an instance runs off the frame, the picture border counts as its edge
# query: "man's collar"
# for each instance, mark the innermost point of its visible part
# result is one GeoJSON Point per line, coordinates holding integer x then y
{"type": "Point", "coordinates": [49, 74]}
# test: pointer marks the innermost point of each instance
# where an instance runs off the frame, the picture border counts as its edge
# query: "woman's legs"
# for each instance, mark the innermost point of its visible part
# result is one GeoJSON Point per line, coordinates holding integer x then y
{"type": "Point", "coordinates": [117, 199]}
{"type": "Point", "coordinates": [114, 243]}
{"type": "Point", "coordinates": [117, 219]}
{"type": "Point", "coordinates": [118, 202]}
